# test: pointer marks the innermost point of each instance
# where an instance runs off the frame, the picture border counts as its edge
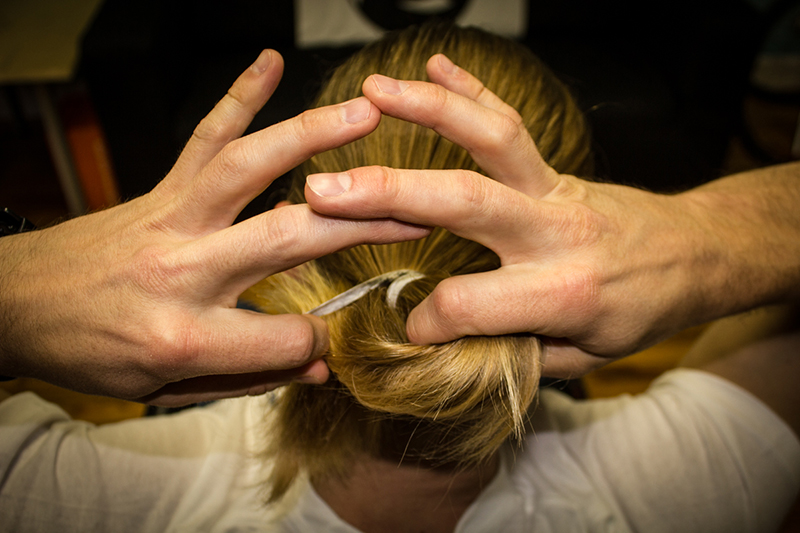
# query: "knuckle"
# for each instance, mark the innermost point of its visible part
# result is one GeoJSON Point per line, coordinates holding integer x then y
{"type": "Point", "coordinates": [210, 129]}
{"type": "Point", "coordinates": [306, 124]}
{"type": "Point", "coordinates": [505, 133]}
{"type": "Point", "coordinates": [448, 301]}
{"type": "Point", "coordinates": [232, 160]}
{"type": "Point", "coordinates": [585, 226]}
{"type": "Point", "coordinates": [440, 98]}
{"type": "Point", "coordinates": [154, 269]}
{"type": "Point", "coordinates": [383, 187]}
{"type": "Point", "coordinates": [174, 344]}
{"type": "Point", "coordinates": [581, 289]}
{"type": "Point", "coordinates": [298, 343]}
{"type": "Point", "coordinates": [570, 189]}
{"type": "Point", "coordinates": [213, 127]}
{"type": "Point", "coordinates": [307, 133]}
{"type": "Point", "coordinates": [282, 233]}
{"type": "Point", "coordinates": [384, 182]}
{"type": "Point", "coordinates": [205, 130]}
{"type": "Point", "coordinates": [474, 192]}
{"type": "Point", "coordinates": [478, 91]}
{"type": "Point", "coordinates": [574, 223]}
{"type": "Point", "coordinates": [516, 118]}
{"type": "Point", "coordinates": [580, 294]}
{"type": "Point", "coordinates": [235, 98]}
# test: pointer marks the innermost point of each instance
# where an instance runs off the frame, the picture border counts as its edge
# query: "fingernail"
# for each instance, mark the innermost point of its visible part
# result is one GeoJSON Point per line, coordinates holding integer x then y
{"type": "Point", "coordinates": [447, 66]}
{"type": "Point", "coordinates": [356, 110]}
{"type": "Point", "coordinates": [327, 185]}
{"type": "Point", "coordinates": [262, 63]}
{"type": "Point", "coordinates": [389, 85]}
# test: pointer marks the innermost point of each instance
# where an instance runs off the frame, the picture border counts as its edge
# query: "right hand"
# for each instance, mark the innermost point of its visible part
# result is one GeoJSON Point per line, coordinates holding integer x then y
{"type": "Point", "coordinates": [600, 270]}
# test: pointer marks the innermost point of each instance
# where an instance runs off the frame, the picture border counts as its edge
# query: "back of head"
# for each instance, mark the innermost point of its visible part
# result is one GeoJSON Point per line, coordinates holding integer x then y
{"type": "Point", "coordinates": [451, 404]}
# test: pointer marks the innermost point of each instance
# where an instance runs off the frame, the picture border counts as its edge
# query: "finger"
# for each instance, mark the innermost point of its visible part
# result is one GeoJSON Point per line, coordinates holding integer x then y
{"type": "Point", "coordinates": [512, 299]}
{"type": "Point", "coordinates": [210, 388]}
{"type": "Point", "coordinates": [245, 167]}
{"type": "Point", "coordinates": [229, 119]}
{"type": "Point", "coordinates": [497, 142]}
{"type": "Point", "coordinates": [565, 360]}
{"type": "Point", "coordinates": [469, 305]}
{"type": "Point", "coordinates": [225, 341]}
{"type": "Point", "coordinates": [453, 78]}
{"type": "Point", "coordinates": [465, 203]}
{"type": "Point", "coordinates": [282, 238]}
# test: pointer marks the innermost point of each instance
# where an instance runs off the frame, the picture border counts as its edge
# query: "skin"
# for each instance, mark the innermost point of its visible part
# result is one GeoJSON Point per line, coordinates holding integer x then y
{"type": "Point", "coordinates": [138, 301]}
{"type": "Point", "coordinates": [380, 495]}
{"type": "Point", "coordinates": [600, 270]}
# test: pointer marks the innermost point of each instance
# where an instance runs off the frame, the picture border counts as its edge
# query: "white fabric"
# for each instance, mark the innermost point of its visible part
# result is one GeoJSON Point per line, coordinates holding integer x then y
{"type": "Point", "coordinates": [695, 453]}
{"type": "Point", "coordinates": [340, 23]}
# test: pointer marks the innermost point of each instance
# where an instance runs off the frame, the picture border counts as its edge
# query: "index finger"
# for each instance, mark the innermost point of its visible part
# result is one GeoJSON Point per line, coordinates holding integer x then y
{"type": "Point", "coordinates": [236, 258]}
{"type": "Point", "coordinates": [246, 166]}
{"type": "Point", "coordinates": [465, 203]}
{"type": "Point", "coordinates": [229, 119]}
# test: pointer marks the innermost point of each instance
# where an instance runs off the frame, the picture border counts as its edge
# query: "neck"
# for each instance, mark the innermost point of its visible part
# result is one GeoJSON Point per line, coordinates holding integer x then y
{"type": "Point", "coordinates": [380, 495]}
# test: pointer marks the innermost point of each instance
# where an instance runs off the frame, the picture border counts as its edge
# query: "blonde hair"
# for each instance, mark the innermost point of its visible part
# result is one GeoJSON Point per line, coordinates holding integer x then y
{"type": "Point", "coordinates": [451, 404]}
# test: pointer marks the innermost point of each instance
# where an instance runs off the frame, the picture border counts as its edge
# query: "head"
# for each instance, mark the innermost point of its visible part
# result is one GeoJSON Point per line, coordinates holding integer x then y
{"type": "Point", "coordinates": [444, 406]}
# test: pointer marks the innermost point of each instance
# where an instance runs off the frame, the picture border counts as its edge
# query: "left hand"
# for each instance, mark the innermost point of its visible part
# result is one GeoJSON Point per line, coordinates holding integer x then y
{"type": "Point", "coordinates": [139, 301]}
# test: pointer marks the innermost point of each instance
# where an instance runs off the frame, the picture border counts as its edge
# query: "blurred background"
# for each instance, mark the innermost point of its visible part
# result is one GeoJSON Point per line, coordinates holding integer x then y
{"type": "Point", "coordinates": [98, 97]}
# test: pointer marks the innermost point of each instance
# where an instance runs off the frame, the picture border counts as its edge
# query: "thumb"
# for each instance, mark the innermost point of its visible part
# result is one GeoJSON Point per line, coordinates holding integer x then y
{"type": "Point", "coordinates": [563, 359]}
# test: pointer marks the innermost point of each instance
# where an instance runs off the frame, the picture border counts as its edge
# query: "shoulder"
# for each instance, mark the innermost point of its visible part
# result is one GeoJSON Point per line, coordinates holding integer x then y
{"type": "Point", "coordinates": [692, 441]}
{"type": "Point", "coordinates": [192, 467]}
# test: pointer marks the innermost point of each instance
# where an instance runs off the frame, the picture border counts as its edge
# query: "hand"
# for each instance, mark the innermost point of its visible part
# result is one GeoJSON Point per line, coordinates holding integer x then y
{"type": "Point", "coordinates": [138, 301]}
{"type": "Point", "coordinates": [600, 270]}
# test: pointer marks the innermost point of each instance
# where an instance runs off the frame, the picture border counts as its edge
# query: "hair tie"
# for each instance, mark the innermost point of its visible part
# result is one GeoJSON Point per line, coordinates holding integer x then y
{"type": "Point", "coordinates": [397, 286]}
{"type": "Point", "coordinates": [396, 280]}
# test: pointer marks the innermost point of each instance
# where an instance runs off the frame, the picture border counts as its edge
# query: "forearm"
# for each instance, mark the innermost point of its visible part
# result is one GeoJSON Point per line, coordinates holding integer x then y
{"type": "Point", "coordinates": [749, 226]}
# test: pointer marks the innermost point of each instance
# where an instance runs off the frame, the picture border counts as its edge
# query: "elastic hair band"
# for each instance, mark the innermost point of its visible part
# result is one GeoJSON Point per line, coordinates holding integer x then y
{"type": "Point", "coordinates": [396, 280]}
{"type": "Point", "coordinates": [397, 286]}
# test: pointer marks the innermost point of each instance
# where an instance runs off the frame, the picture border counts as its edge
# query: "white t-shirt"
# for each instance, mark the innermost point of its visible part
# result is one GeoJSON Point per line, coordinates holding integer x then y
{"type": "Point", "coordinates": [694, 453]}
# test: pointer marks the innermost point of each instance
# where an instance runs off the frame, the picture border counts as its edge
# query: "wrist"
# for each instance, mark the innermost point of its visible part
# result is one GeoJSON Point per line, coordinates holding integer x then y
{"type": "Point", "coordinates": [10, 224]}
{"type": "Point", "coordinates": [710, 260]}
{"type": "Point", "coordinates": [684, 263]}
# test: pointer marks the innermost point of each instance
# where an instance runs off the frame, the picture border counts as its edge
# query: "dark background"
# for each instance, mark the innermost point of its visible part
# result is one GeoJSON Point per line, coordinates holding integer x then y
{"type": "Point", "coordinates": [662, 83]}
